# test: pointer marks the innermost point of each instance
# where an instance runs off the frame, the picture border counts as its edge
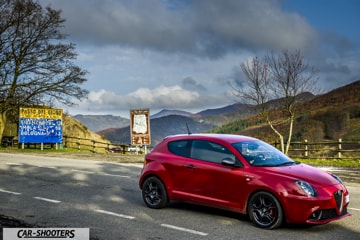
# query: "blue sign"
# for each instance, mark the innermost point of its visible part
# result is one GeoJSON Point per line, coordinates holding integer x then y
{"type": "Point", "coordinates": [40, 130]}
{"type": "Point", "coordinates": [38, 125]}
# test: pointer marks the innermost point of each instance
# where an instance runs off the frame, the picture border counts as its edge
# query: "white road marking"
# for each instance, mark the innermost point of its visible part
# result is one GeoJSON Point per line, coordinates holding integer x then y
{"type": "Point", "coordinates": [14, 164]}
{"type": "Point", "coordinates": [82, 171]}
{"type": "Point", "coordinates": [115, 214]}
{"type": "Point", "coordinates": [114, 175]}
{"type": "Point", "coordinates": [47, 167]}
{"type": "Point", "coordinates": [334, 169]}
{"type": "Point", "coordinates": [184, 229]}
{"type": "Point", "coordinates": [356, 209]}
{"type": "Point", "coordinates": [5, 191]}
{"type": "Point", "coordinates": [47, 200]}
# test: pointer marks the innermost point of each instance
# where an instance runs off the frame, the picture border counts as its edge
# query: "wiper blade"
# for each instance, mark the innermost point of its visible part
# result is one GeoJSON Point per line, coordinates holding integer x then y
{"type": "Point", "coordinates": [263, 165]}
{"type": "Point", "coordinates": [287, 164]}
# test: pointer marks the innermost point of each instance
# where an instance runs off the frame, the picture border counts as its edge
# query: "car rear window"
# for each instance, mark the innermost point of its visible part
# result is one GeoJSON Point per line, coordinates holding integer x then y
{"type": "Point", "coordinates": [181, 148]}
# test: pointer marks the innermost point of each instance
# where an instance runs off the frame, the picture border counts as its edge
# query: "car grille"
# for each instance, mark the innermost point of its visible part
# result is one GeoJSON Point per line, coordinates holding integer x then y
{"type": "Point", "coordinates": [331, 213]}
{"type": "Point", "coordinates": [338, 195]}
{"type": "Point", "coordinates": [327, 214]}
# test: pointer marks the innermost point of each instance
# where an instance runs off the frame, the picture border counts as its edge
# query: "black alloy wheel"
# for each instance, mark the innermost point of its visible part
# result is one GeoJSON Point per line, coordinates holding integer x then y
{"type": "Point", "coordinates": [265, 211]}
{"type": "Point", "coordinates": [154, 193]}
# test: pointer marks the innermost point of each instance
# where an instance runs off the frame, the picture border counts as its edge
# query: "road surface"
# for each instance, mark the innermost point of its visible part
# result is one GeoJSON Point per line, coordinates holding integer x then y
{"type": "Point", "coordinates": [104, 196]}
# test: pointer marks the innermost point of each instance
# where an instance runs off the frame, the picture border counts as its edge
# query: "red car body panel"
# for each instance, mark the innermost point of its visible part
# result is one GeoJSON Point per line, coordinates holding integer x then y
{"type": "Point", "coordinates": [230, 187]}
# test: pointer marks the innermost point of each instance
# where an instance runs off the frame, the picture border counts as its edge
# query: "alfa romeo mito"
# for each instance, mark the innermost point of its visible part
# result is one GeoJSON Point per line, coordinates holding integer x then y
{"type": "Point", "coordinates": [244, 175]}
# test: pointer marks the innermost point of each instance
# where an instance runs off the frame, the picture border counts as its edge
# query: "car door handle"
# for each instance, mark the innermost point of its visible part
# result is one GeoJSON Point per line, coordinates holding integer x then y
{"type": "Point", "coordinates": [248, 178]}
{"type": "Point", "coordinates": [190, 166]}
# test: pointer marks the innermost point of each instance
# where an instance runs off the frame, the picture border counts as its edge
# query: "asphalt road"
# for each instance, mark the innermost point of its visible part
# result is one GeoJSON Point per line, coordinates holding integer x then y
{"type": "Point", "coordinates": [103, 196]}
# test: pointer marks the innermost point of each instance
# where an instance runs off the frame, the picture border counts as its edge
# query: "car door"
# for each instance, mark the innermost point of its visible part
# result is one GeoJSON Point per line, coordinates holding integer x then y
{"type": "Point", "coordinates": [211, 181]}
{"type": "Point", "coordinates": [176, 167]}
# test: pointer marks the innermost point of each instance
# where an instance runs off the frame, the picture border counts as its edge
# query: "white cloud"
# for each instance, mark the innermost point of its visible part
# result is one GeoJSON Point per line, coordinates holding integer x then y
{"type": "Point", "coordinates": [180, 54]}
{"type": "Point", "coordinates": [161, 97]}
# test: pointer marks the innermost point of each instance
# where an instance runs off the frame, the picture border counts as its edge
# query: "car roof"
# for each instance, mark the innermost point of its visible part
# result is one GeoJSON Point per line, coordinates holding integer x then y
{"type": "Point", "coordinates": [230, 138]}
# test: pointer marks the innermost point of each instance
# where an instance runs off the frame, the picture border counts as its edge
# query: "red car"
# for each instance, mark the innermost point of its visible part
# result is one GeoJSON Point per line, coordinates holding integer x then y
{"type": "Point", "coordinates": [241, 174]}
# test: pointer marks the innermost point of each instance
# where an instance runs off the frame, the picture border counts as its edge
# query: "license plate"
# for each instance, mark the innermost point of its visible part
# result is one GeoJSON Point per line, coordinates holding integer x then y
{"type": "Point", "coordinates": [347, 198]}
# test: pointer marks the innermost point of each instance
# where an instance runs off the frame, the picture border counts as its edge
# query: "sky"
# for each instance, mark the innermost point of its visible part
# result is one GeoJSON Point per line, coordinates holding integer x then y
{"type": "Point", "coordinates": [182, 54]}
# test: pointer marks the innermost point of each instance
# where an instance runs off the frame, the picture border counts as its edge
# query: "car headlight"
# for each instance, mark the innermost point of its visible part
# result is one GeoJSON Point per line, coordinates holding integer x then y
{"type": "Point", "coordinates": [306, 188]}
{"type": "Point", "coordinates": [337, 178]}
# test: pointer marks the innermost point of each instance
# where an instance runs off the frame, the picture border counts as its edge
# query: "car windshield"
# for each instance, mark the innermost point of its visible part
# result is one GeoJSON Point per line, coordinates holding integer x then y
{"type": "Point", "coordinates": [259, 153]}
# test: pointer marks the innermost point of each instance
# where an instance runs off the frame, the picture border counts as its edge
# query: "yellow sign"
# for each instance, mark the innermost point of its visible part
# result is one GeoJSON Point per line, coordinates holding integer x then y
{"type": "Point", "coordinates": [47, 113]}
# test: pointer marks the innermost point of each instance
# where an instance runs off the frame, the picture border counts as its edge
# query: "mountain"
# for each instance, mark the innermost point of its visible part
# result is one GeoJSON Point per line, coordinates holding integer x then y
{"type": "Point", "coordinates": [237, 107]}
{"type": "Point", "coordinates": [336, 98]}
{"type": "Point", "coordinates": [217, 116]}
{"type": "Point", "coordinates": [166, 112]}
{"type": "Point", "coordinates": [329, 116]}
{"type": "Point", "coordinates": [160, 128]}
{"type": "Point", "coordinates": [99, 122]}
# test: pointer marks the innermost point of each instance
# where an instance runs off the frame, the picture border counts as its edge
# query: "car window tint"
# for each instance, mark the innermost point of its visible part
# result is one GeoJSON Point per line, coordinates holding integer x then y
{"type": "Point", "coordinates": [209, 151]}
{"type": "Point", "coordinates": [180, 148]}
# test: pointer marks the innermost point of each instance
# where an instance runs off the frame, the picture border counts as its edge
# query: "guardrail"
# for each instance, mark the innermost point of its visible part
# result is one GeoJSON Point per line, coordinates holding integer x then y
{"type": "Point", "coordinates": [313, 150]}
{"type": "Point", "coordinates": [84, 144]}
{"type": "Point", "coordinates": [78, 143]}
{"type": "Point", "coordinates": [325, 150]}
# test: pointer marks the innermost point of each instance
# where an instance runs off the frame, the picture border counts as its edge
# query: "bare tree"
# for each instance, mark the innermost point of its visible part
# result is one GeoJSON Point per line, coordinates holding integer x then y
{"type": "Point", "coordinates": [35, 62]}
{"type": "Point", "coordinates": [282, 77]}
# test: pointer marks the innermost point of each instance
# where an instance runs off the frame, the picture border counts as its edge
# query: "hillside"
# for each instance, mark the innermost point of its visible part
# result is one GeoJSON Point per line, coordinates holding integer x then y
{"type": "Point", "coordinates": [333, 115]}
{"type": "Point", "coordinates": [73, 128]}
{"type": "Point", "coordinates": [227, 114]}
{"type": "Point", "coordinates": [100, 122]}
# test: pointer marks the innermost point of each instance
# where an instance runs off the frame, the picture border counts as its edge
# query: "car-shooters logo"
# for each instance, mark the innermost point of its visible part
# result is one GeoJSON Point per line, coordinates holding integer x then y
{"type": "Point", "coordinates": [45, 233]}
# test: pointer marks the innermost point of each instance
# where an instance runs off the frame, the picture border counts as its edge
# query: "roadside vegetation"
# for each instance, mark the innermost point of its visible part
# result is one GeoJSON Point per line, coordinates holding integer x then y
{"type": "Point", "coordinates": [344, 163]}
{"type": "Point", "coordinates": [138, 158]}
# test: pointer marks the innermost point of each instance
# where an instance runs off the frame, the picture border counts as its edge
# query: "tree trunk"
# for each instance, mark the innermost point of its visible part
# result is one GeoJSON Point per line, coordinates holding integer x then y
{"type": "Point", "coordinates": [290, 134]}
{"type": "Point", "coordinates": [279, 134]}
{"type": "Point", "coordinates": [2, 124]}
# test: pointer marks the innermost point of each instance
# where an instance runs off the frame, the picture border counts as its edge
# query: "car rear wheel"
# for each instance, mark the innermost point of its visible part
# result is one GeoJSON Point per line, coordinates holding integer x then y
{"type": "Point", "coordinates": [265, 210]}
{"type": "Point", "coordinates": [154, 193]}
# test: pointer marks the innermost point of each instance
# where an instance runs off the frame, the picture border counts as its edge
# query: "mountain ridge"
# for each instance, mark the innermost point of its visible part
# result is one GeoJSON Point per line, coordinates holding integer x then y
{"type": "Point", "coordinates": [317, 113]}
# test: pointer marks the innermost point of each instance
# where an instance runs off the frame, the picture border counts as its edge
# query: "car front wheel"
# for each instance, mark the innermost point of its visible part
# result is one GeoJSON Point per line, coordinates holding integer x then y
{"type": "Point", "coordinates": [265, 210]}
{"type": "Point", "coordinates": [154, 193]}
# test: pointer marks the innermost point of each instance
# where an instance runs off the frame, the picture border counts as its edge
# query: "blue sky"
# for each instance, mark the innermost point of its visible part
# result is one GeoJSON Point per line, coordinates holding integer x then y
{"type": "Point", "coordinates": [173, 54]}
{"type": "Point", "coordinates": [341, 16]}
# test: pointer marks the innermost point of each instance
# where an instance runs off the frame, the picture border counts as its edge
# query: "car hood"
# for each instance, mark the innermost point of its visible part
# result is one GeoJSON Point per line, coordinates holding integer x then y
{"type": "Point", "coordinates": [304, 172]}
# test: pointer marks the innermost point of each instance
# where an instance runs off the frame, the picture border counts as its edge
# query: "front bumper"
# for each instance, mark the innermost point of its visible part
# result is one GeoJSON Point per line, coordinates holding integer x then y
{"type": "Point", "coordinates": [330, 204]}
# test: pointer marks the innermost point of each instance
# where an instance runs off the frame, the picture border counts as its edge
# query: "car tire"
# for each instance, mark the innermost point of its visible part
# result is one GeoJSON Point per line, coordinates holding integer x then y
{"type": "Point", "coordinates": [265, 210]}
{"type": "Point", "coordinates": [154, 193]}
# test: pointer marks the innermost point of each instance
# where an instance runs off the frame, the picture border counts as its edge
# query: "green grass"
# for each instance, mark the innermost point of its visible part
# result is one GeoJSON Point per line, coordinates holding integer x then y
{"type": "Point", "coordinates": [349, 163]}
{"type": "Point", "coordinates": [45, 150]}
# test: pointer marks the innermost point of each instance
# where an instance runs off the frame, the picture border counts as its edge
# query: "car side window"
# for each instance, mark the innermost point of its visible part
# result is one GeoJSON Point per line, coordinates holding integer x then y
{"type": "Point", "coordinates": [210, 151]}
{"type": "Point", "coordinates": [181, 148]}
